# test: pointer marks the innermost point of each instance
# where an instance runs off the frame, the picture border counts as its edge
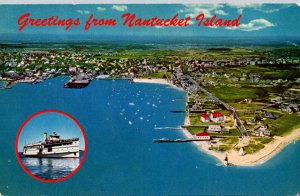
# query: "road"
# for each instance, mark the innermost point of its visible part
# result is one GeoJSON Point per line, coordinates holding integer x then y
{"type": "Point", "coordinates": [240, 126]}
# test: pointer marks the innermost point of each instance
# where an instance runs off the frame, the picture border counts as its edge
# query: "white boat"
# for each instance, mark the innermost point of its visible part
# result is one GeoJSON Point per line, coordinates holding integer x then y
{"type": "Point", "coordinates": [53, 147]}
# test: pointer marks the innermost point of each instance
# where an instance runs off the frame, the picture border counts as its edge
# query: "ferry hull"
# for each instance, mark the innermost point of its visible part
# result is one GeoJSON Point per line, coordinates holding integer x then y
{"type": "Point", "coordinates": [56, 155]}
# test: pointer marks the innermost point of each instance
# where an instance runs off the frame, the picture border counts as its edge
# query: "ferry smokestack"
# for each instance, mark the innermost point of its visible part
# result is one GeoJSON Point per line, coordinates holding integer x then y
{"type": "Point", "coordinates": [45, 137]}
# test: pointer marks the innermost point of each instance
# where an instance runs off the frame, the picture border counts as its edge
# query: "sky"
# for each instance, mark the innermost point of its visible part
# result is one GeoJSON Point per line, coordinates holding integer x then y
{"type": "Point", "coordinates": [257, 20]}
{"type": "Point", "coordinates": [49, 122]}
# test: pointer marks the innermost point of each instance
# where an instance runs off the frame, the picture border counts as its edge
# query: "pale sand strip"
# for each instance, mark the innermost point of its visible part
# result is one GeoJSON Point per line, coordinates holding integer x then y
{"type": "Point", "coordinates": [264, 154]}
{"type": "Point", "coordinates": [234, 158]}
{"type": "Point", "coordinates": [153, 81]}
{"type": "Point", "coordinates": [156, 81]}
{"type": "Point", "coordinates": [260, 157]}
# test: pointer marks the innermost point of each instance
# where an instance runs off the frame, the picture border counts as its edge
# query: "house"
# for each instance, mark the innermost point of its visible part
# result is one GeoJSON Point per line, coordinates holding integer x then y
{"type": "Point", "coordinates": [268, 115]}
{"type": "Point", "coordinates": [290, 108]}
{"type": "Point", "coordinates": [72, 70]}
{"type": "Point", "coordinates": [203, 136]}
{"type": "Point", "coordinates": [255, 120]}
{"type": "Point", "coordinates": [277, 99]}
{"type": "Point", "coordinates": [205, 117]}
{"type": "Point", "coordinates": [262, 131]}
{"type": "Point", "coordinates": [217, 117]}
{"type": "Point", "coordinates": [249, 100]}
{"type": "Point", "coordinates": [214, 128]}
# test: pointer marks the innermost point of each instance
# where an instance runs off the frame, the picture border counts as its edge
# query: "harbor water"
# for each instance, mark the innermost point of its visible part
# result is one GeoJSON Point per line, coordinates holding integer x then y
{"type": "Point", "coordinates": [120, 121]}
{"type": "Point", "coordinates": [50, 168]}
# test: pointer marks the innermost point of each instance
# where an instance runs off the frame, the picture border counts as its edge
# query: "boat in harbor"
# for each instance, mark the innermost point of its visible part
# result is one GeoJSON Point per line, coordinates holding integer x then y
{"type": "Point", "coordinates": [53, 147]}
{"type": "Point", "coordinates": [78, 81]}
{"type": "Point", "coordinates": [72, 83]}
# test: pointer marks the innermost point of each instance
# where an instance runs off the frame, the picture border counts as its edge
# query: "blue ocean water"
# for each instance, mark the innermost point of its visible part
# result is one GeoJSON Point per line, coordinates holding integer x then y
{"type": "Point", "coordinates": [119, 120]}
{"type": "Point", "coordinates": [50, 168]}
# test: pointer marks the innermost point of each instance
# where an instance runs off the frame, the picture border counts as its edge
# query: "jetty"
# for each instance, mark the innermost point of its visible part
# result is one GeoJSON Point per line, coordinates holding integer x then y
{"type": "Point", "coordinates": [178, 111]}
{"type": "Point", "coordinates": [164, 140]}
{"type": "Point", "coordinates": [7, 85]}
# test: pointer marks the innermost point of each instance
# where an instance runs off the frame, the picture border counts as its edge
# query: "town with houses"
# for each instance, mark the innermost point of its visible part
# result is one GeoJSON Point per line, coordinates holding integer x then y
{"type": "Point", "coordinates": [237, 99]}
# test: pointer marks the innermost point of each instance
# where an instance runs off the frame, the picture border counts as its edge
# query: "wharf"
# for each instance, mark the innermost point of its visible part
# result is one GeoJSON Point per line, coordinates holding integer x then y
{"type": "Point", "coordinates": [7, 85]}
{"type": "Point", "coordinates": [178, 111]}
{"type": "Point", "coordinates": [163, 140]}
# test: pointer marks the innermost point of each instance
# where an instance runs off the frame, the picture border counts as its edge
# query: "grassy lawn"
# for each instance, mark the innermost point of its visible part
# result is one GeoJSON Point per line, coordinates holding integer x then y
{"type": "Point", "coordinates": [233, 132]}
{"type": "Point", "coordinates": [191, 99]}
{"type": "Point", "coordinates": [221, 148]}
{"type": "Point", "coordinates": [267, 71]}
{"type": "Point", "coordinates": [195, 130]}
{"type": "Point", "coordinates": [195, 119]}
{"type": "Point", "coordinates": [253, 147]}
{"type": "Point", "coordinates": [236, 94]}
{"type": "Point", "coordinates": [247, 106]}
{"type": "Point", "coordinates": [285, 124]}
{"type": "Point", "coordinates": [264, 140]}
{"type": "Point", "coordinates": [156, 75]}
{"type": "Point", "coordinates": [230, 140]}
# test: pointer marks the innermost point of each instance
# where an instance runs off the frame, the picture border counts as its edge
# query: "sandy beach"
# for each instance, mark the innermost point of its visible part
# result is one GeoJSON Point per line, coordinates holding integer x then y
{"type": "Point", "coordinates": [260, 157]}
{"type": "Point", "coordinates": [153, 81]}
{"type": "Point", "coordinates": [156, 81]}
{"type": "Point", "coordinates": [203, 145]}
{"type": "Point", "coordinates": [270, 150]}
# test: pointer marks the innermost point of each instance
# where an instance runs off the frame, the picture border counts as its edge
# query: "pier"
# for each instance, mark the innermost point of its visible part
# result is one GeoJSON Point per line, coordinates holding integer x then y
{"type": "Point", "coordinates": [163, 140]}
{"type": "Point", "coordinates": [178, 111]}
{"type": "Point", "coordinates": [7, 85]}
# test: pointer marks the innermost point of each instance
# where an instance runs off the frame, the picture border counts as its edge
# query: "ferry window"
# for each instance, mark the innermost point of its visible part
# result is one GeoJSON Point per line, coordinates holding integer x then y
{"type": "Point", "coordinates": [50, 149]}
{"type": "Point", "coordinates": [75, 153]}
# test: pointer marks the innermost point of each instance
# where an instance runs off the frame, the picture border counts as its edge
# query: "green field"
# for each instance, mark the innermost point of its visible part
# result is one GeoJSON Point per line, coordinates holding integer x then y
{"type": "Point", "coordinates": [195, 130]}
{"type": "Point", "coordinates": [285, 124]}
{"type": "Point", "coordinates": [230, 140]}
{"type": "Point", "coordinates": [156, 75]}
{"type": "Point", "coordinates": [222, 148]}
{"type": "Point", "coordinates": [253, 147]}
{"type": "Point", "coordinates": [264, 140]}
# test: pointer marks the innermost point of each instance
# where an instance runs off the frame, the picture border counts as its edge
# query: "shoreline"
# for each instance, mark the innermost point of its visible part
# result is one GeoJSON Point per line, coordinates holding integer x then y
{"type": "Point", "coordinates": [269, 151]}
{"type": "Point", "coordinates": [262, 156]}
{"type": "Point", "coordinates": [156, 81]}
{"type": "Point", "coordinates": [201, 145]}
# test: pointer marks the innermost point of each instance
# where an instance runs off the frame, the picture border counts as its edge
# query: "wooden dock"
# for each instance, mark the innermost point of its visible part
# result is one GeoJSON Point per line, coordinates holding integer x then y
{"type": "Point", "coordinates": [178, 111]}
{"type": "Point", "coordinates": [163, 140]}
{"type": "Point", "coordinates": [7, 85]}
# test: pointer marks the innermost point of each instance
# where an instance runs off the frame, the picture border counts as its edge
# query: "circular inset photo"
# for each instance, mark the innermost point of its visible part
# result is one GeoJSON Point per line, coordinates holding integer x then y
{"type": "Point", "coordinates": [51, 146]}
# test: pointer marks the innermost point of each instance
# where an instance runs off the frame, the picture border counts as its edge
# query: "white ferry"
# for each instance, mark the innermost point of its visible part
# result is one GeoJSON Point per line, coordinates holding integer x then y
{"type": "Point", "coordinates": [53, 147]}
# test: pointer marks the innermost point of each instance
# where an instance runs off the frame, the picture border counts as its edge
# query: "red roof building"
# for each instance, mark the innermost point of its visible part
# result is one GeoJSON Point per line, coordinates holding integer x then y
{"type": "Point", "coordinates": [217, 117]}
{"type": "Point", "coordinates": [205, 117]}
{"type": "Point", "coordinates": [216, 114]}
{"type": "Point", "coordinates": [203, 136]}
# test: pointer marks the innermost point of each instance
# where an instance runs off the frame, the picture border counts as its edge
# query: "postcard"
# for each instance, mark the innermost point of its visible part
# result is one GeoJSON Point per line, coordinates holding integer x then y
{"type": "Point", "coordinates": [150, 98]}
